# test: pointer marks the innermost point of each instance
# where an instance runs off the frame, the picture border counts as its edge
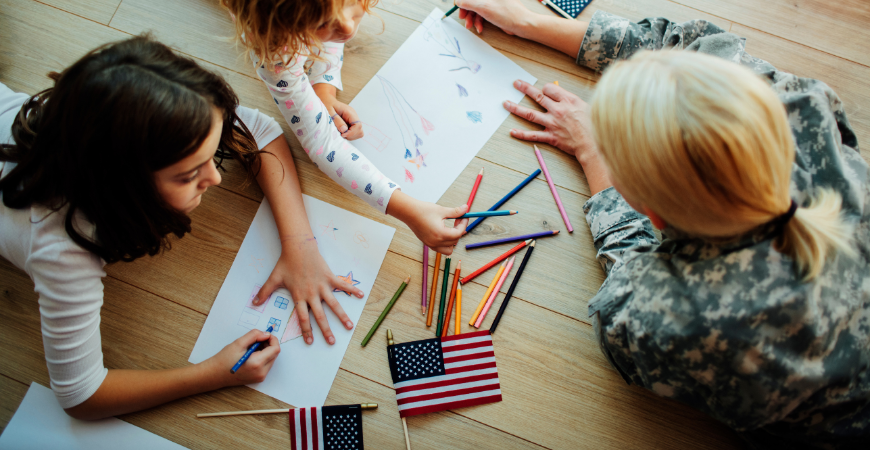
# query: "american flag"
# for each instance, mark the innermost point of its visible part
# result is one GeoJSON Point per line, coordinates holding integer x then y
{"type": "Point", "coordinates": [444, 373]}
{"type": "Point", "coordinates": [326, 428]}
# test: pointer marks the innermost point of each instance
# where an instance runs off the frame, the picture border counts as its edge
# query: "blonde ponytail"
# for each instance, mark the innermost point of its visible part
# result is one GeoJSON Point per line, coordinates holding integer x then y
{"type": "Point", "coordinates": [815, 232]}
{"type": "Point", "coordinates": [707, 145]}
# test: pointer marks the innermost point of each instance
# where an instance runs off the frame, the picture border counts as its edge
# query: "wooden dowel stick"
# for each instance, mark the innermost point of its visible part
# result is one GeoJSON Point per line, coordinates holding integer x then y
{"type": "Point", "coordinates": [407, 438]}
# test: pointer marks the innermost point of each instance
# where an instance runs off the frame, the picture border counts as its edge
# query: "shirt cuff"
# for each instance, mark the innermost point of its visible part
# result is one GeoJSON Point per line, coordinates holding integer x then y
{"type": "Point", "coordinates": [602, 41]}
{"type": "Point", "coordinates": [606, 210]}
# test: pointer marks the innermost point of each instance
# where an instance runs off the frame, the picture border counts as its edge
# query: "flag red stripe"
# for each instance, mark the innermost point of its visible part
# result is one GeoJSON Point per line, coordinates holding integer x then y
{"type": "Point", "coordinates": [457, 348]}
{"type": "Point", "coordinates": [447, 382]}
{"type": "Point", "coordinates": [451, 405]}
{"type": "Point", "coordinates": [292, 429]}
{"type": "Point", "coordinates": [453, 359]}
{"type": "Point", "coordinates": [304, 427]}
{"type": "Point", "coordinates": [314, 427]}
{"type": "Point", "coordinates": [465, 336]}
{"type": "Point", "coordinates": [446, 394]}
{"type": "Point", "coordinates": [472, 368]}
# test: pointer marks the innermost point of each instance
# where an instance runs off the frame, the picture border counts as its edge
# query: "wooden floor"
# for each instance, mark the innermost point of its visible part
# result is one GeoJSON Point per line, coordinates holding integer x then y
{"type": "Point", "coordinates": [559, 391]}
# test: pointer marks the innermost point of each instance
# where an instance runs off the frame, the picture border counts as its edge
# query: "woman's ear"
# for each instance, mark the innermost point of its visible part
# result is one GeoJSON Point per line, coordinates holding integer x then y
{"type": "Point", "coordinates": [656, 220]}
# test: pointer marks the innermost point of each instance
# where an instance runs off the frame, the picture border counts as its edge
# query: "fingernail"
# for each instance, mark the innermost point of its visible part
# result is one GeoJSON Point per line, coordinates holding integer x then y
{"type": "Point", "coordinates": [359, 295]}
{"type": "Point", "coordinates": [308, 340]}
{"type": "Point", "coordinates": [344, 130]}
{"type": "Point", "coordinates": [513, 130]}
{"type": "Point", "coordinates": [349, 325]}
{"type": "Point", "coordinates": [506, 104]}
{"type": "Point", "coordinates": [518, 83]}
{"type": "Point", "coordinates": [331, 340]}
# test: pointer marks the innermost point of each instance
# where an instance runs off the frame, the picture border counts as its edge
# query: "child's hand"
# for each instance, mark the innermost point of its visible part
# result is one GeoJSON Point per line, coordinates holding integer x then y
{"type": "Point", "coordinates": [302, 271]}
{"type": "Point", "coordinates": [426, 220]}
{"type": "Point", "coordinates": [254, 370]}
{"type": "Point", "coordinates": [509, 15]}
{"type": "Point", "coordinates": [349, 120]}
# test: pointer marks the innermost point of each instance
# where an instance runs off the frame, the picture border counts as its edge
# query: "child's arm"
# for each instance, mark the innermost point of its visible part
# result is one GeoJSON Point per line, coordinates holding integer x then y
{"type": "Point", "coordinates": [325, 76]}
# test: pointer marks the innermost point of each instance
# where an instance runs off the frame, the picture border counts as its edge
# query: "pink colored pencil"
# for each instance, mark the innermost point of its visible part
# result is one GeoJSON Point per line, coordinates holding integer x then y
{"type": "Point", "coordinates": [425, 277]}
{"type": "Point", "coordinates": [494, 294]}
{"type": "Point", "coordinates": [474, 189]}
{"type": "Point", "coordinates": [553, 190]}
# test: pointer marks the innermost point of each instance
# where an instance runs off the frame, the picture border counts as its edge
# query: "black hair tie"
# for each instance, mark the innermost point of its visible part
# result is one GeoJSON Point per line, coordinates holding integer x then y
{"type": "Point", "coordinates": [783, 219]}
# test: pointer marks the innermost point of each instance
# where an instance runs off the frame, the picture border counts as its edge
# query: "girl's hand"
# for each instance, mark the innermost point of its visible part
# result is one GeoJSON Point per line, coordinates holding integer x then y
{"type": "Point", "coordinates": [302, 271]}
{"type": "Point", "coordinates": [254, 370]}
{"type": "Point", "coordinates": [509, 15]}
{"type": "Point", "coordinates": [349, 120]}
{"type": "Point", "coordinates": [426, 220]}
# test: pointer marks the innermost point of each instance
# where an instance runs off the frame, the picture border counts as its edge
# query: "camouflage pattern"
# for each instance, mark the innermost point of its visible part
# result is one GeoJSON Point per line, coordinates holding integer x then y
{"type": "Point", "coordinates": [728, 327]}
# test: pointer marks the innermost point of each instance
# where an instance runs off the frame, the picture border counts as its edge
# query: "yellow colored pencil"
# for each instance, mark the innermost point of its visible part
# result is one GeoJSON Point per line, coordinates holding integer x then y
{"type": "Point", "coordinates": [458, 308]}
{"type": "Point", "coordinates": [556, 83]}
{"type": "Point", "coordinates": [486, 296]}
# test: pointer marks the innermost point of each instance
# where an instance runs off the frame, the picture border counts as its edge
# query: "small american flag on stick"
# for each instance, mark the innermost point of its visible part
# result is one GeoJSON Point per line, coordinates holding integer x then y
{"type": "Point", "coordinates": [326, 428]}
{"type": "Point", "coordinates": [444, 373]}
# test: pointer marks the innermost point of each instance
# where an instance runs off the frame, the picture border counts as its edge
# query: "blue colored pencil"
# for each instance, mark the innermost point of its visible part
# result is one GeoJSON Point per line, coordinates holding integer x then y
{"type": "Point", "coordinates": [512, 239]}
{"type": "Point", "coordinates": [504, 212]}
{"type": "Point", "coordinates": [248, 353]}
{"type": "Point", "coordinates": [505, 198]}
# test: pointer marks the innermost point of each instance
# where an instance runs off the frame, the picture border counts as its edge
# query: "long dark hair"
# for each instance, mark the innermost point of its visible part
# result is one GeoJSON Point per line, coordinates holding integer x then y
{"type": "Point", "coordinates": [94, 141]}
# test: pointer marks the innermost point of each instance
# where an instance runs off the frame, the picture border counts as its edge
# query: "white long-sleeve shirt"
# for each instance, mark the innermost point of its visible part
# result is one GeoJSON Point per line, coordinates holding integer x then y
{"type": "Point", "coordinates": [309, 119]}
{"type": "Point", "coordinates": [67, 277]}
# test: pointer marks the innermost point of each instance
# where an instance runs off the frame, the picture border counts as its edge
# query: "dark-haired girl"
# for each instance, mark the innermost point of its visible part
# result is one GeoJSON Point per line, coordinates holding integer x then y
{"type": "Point", "coordinates": [102, 168]}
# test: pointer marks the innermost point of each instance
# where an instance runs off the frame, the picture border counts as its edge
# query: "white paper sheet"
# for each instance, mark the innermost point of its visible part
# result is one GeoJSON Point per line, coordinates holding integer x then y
{"type": "Point", "coordinates": [433, 106]}
{"type": "Point", "coordinates": [40, 423]}
{"type": "Point", "coordinates": [351, 245]}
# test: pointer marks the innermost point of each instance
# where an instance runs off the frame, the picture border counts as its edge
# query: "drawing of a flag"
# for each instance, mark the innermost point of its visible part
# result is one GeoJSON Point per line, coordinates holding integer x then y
{"type": "Point", "coordinates": [444, 373]}
{"type": "Point", "coordinates": [326, 428]}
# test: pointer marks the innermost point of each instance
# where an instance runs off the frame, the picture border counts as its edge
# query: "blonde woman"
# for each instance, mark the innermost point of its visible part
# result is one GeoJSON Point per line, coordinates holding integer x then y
{"type": "Point", "coordinates": [755, 308]}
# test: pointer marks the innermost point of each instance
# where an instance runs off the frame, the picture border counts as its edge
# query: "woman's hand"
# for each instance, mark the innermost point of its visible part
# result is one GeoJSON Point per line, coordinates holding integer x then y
{"type": "Point", "coordinates": [509, 15]}
{"type": "Point", "coordinates": [426, 220]}
{"type": "Point", "coordinates": [302, 271]}
{"type": "Point", "coordinates": [255, 369]}
{"type": "Point", "coordinates": [349, 119]}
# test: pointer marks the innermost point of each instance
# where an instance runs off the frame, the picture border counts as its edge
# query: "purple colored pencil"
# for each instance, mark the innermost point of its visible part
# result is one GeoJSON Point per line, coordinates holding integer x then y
{"type": "Point", "coordinates": [425, 297]}
{"type": "Point", "coordinates": [553, 190]}
{"type": "Point", "coordinates": [512, 239]}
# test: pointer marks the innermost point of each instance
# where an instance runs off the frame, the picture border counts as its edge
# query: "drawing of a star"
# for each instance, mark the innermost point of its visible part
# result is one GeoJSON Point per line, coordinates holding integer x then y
{"type": "Point", "coordinates": [256, 263]}
{"type": "Point", "coordinates": [419, 160]}
{"type": "Point", "coordinates": [349, 280]}
{"type": "Point", "coordinates": [328, 229]}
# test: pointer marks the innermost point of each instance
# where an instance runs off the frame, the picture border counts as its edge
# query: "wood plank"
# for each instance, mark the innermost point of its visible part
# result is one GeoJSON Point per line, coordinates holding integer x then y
{"type": "Point", "coordinates": [848, 79]}
{"type": "Point", "coordinates": [97, 10]}
{"type": "Point", "coordinates": [839, 28]}
{"type": "Point", "coordinates": [142, 331]}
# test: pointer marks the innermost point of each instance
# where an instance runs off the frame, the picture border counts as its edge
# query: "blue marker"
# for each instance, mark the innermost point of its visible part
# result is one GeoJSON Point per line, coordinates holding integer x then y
{"type": "Point", "coordinates": [248, 353]}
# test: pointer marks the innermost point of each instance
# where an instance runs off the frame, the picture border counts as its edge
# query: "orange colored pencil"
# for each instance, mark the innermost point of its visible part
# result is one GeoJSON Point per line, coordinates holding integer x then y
{"type": "Point", "coordinates": [452, 299]}
{"type": "Point", "coordinates": [495, 261]}
{"type": "Point", "coordinates": [434, 288]}
{"type": "Point", "coordinates": [458, 308]}
{"type": "Point", "coordinates": [486, 296]}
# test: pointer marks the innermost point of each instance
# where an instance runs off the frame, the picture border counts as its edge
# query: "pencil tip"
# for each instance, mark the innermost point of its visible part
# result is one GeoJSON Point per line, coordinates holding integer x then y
{"type": "Point", "coordinates": [408, 279]}
{"type": "Point", "coordinates": [481, 171]}
{"type": "Point", "coordinates": [556, 232]}
{"type": "Point", "coordinates": [529, 241]}
{"type": "Point", "coordinates": [533, 243]}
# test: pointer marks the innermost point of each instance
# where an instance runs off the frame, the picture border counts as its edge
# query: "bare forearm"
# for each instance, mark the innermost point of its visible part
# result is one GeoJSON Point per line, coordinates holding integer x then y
{"type": "Point", "coordinates": [596, 172]}
{"type": "Point", "coordinates": [556, 32]}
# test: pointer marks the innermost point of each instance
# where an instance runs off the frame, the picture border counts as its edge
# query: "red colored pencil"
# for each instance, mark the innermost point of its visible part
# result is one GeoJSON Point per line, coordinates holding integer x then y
{"type": "Point", "coordinates": [501, 258]}
{"type": "Point", "coordinates": [474, 189]}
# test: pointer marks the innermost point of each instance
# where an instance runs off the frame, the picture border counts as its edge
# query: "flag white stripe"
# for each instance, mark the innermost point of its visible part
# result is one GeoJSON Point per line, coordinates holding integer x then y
{"type": "Point", "coordinates": [309, 430]}
{"type": "Point", "coordinates": [453, 376]}
{"type": "Point", "coordinates": [470, 362]}
{"type": "Point", "coordinates": [452, 387]}
{"type": "Point", "coordinates": [320, 442]}
{"type": "Point", "coordinates": [455, 398]}
{"type": "Point", "coordinates": [466, 341]}
{"type": "Point", "coordinates": [470, 351]}
{"type": "Point", "coordinates": [298, 425]}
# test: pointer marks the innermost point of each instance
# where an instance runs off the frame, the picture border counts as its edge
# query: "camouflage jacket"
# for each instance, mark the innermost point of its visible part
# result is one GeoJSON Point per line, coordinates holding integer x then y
{"type": "Point", "coordinates": [728, 327]}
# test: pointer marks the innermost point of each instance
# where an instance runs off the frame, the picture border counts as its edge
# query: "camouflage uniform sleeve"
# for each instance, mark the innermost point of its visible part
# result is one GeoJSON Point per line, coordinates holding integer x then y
{"type": "Point", "coordinates": [610, 38]}
{"type": "Point", "coordinates": [617, 229]}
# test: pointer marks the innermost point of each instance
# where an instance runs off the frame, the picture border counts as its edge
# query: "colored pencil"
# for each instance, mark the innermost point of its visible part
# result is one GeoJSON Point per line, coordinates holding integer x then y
{"type": "Point", "coordinates": [458, 308]}
{"type": "Point", "coordinates": [404, 422]}
{"type": "Point", "coordinates": [553, 190]}
{"type": "Point", "coordinates": [488, 292]}
{"type": "Point", "coordinates": [512, 239]}
{"type": "Point", "coordinates": [248, 353]}
{"type": "Point", "coordinates": [386, 310]}
{"type": "Point", "coordinates": [452, 299]}
{"type": "Point", "coordinates": [510, 291]}
{"type": "Point", "coordinates": [443, 302]}
{"type": "Point", "coordinates": [452, 10]}
{"type": "Point", "coordinates": [269, 411]}
{"type": "Point", "coordinates": [486, 267]}
{"type": "Point", "coordinates": [474, 189]}
{"type": "Point", "coordinates": [425, 278]}
{"type": "Point", "coordinates": [434, 288]}
{"type": "Point", "coordinates": [492, 297]}
{"type": "Point", "coordinates": [488, 214]}
{"type": "Point", "coordinates": [505, 198]}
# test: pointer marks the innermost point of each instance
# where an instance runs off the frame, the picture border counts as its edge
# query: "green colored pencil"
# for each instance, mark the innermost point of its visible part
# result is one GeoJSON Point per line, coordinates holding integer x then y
{"type": "Point", "coordinates": [386, 310]}
{"type": "Point", "coordinates": [443, 297]}
{"type": "Point", "coordinates": [452, 10]}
